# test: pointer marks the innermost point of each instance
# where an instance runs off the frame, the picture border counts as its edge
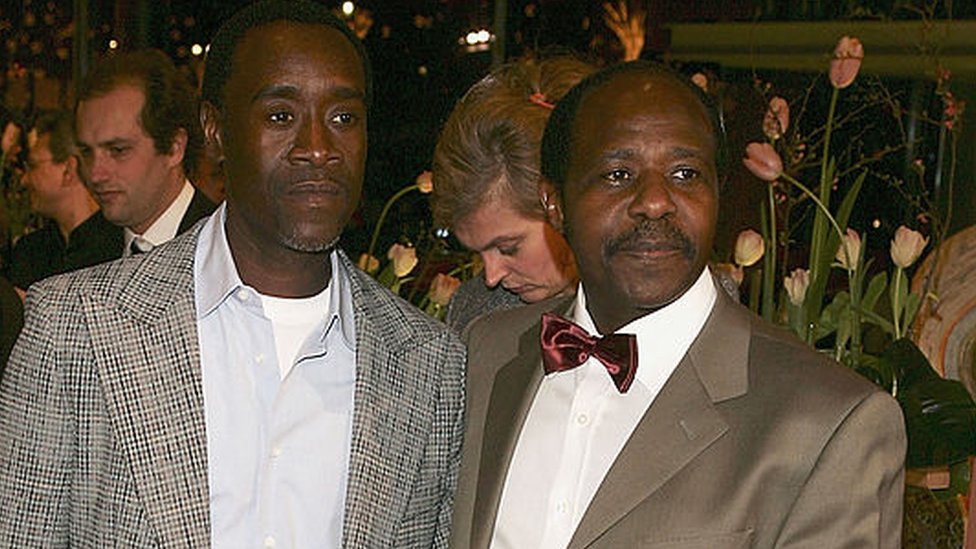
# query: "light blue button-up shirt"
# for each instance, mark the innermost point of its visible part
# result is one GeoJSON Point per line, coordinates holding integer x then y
{"type": "Point", "coordinates": [277, 448]}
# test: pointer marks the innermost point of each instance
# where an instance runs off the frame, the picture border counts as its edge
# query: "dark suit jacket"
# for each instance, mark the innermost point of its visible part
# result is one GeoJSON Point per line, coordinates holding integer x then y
{"type": "Point", "coordinates": [102, 428]}
{"type": "Point", "coordinates": [11, 320]}
{"type": "Point", "coordinates": [754, 441]}
{"type": "Point", "coordinates": [200, 207]}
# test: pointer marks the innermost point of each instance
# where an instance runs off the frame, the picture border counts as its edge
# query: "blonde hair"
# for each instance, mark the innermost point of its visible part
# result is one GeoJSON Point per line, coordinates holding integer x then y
{"type": "Point", "coordinates": [489, 147]}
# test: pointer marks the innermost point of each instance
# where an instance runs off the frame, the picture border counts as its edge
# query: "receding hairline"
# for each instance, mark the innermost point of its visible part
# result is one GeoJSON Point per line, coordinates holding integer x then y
{"type": "Point", "coordinates": [346, 92]}
{"type": "Point", "coordinates": [701, 110]}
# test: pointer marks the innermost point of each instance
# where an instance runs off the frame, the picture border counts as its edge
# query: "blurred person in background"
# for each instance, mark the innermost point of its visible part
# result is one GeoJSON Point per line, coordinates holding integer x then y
{"type": "Point", "coordinates": [139, 136]}
{"type": "Point", "coordinates": [75, 234]}
{"type": "Point", "coordinates": [486, 174]}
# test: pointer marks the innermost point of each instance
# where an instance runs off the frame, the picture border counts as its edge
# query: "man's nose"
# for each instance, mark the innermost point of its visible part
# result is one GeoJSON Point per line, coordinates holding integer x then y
{"type": "Point", "coordinates": [95, 168]}
{"type": "Point", "coordinates": [652, 197]}
{"type": "Point", "coordinates": [313, 143]}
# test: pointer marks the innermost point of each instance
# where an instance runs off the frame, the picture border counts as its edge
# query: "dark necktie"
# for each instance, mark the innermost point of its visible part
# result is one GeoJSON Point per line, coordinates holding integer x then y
{"type": "Point", "coordinates": [565, 345]}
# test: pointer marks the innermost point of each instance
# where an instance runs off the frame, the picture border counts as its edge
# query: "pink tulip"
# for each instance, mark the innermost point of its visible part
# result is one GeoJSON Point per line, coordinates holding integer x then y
{"type": "Point", "coordinates": [425, 182]}
{"type": "Point", "coordinates": [849, 248]}
{"type": "Point", "coordinates": [404, 259]}
{"type": "Point", "coordinates": [749, 248]}
{"type": "Point", "coordinates": [777, 118]}
{"type": "Point", "coordinates": [907, 246]}
{"type": "Point", "coordinates": [763, 161]}
{"type": "Point", "coordinates": [442, 288]}
{"type": "Point", "coordinates": [846, 62]}
{"type": "Point", "coordinates": [368, 263]}
{"type": "Point", "coordinates": [733, 272]}
{"type": "Point", "coordinates": [796, 286]}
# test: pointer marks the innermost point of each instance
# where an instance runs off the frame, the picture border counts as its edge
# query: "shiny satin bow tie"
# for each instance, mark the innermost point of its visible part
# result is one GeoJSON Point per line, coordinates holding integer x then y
{"type": "Point", "coordinates": [565, 345]}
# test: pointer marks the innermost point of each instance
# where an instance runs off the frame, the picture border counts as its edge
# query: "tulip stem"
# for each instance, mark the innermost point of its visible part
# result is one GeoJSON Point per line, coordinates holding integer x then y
{"type": "Point", "coordinates": [386, 209]}
{"type": "Point", "coordinates": [896, 301]}
{"type": "Point", "coordinates": [769, 260]}
{"type": "Point", "coordinates": [818, 238]}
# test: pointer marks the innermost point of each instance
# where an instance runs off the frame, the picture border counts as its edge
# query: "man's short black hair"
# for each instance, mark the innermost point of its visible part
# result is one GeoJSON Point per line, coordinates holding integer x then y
{"type": "Point", "coordinates": [220, 57]}
{"type": "Point", "coordinates": [557, 141]}
{"type": "Point", "coordinates": [59, 127]}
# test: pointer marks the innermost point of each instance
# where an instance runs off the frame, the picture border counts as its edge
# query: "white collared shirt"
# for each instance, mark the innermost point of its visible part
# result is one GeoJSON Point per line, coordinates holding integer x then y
{"type": "Point", "coordinates": [278, 436]}
{"type": "Point", "coordinates": [166, 226]}
{"type": "Point", "coordinates": [578, 423]}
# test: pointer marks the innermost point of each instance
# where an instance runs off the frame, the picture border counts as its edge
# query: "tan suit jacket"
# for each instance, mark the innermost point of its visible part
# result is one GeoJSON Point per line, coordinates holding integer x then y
{"type": "Point", "coordinates": [754, 441]}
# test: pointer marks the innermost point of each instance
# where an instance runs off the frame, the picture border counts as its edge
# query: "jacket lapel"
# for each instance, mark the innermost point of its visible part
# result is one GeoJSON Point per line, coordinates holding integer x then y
{"type": "Point", "coordinates": [679, 425]}
{"type": "Point", "coordinates": [511, 397]}
{"type": "Point", "coordinates": [391, 412]}
{"type": "Point", "coordinates": [145, 346]}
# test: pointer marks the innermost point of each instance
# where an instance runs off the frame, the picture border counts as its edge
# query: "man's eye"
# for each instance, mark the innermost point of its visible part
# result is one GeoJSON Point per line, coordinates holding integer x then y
{"type": "Point", "coordinates": [685, 174]}
{"type": "Point", "coordinates": [618, 176]}
{"type": "Point", "coordinates": [508, 250]}
{"type": "Point", "coordinates": [344, 118]}
{"type": "Point", "coordinates": [280, 117]}
{"type": "Point", "coordinates": [117, 151]}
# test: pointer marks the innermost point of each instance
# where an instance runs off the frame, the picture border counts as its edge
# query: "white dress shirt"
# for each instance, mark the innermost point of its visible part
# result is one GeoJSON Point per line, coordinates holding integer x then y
{"type": "Point", "coordinates": [165, 227]}
{"type": "Point", "coordinates": [579, 422]}
{"type": "Point", "coordinates": [278, 436]}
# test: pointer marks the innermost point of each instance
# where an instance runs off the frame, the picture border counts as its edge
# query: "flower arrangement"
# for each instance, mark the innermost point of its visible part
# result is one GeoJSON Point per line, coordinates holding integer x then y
{"type": "Point", "coordinates": [835, 319]}
{"type": "Point", "coordinates": [400, 269]}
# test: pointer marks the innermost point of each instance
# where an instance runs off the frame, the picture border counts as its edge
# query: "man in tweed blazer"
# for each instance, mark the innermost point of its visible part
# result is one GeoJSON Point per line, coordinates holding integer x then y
{"type": "Point", "coordinates": [132, 413]}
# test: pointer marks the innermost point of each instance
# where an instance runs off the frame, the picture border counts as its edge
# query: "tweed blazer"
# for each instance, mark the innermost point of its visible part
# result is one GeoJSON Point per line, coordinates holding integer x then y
{"type": "Point", "coordinates": [473, 299]}
{"type": "Point", "coordinates": [102, 429]}
{"type": "Point", "coordinates": [754, 441]}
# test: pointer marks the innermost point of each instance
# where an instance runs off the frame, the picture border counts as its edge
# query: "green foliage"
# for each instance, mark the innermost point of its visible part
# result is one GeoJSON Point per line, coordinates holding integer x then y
{"type": "Point", "coordinates": [940, 415]}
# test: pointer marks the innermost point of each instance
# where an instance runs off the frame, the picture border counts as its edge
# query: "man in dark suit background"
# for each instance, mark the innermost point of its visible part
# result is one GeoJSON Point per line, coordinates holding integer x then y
{"type": "Point", "coordinates": [75, 234]}
{"type": "Point", "coordinates": [139, 137]}
{"type": "Point", "coordinates": [651, 410]}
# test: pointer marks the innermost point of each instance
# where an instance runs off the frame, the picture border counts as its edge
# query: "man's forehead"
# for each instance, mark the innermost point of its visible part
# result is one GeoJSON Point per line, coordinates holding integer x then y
{"type": "Point", "coordinates": [269, 42]}
{"type": "Point", "coordinates": [638, 94]}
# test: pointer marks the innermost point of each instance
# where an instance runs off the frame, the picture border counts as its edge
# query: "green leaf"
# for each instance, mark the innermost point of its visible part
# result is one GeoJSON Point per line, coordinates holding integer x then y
{"type": "Point", "coordinates": [831, 317]}
{"type": "Point", "coordinates": [940, 415]}
{"type": "Point", "coordinates": [874, 292]}
{"type": "Point", "coordinates": [912, 303]}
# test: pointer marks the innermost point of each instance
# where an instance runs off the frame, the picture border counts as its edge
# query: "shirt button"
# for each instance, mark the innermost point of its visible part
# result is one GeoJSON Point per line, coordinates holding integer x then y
{"type": "Point", "coordinates": [242, 295]}
{"type": "Point", "coordinates": [562, 507]}
{"type": "Point", "coordinates": [269, 542]}
{"type": "Point", "coordinates": [582, 419]}
{"type": "Point", "coordinates": [259, 358]}
{"type": "Point", "coordinates": [276, 451]}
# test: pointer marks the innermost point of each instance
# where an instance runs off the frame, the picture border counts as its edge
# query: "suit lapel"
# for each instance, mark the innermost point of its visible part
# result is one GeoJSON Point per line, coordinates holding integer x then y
{"type": "Point", "coordinates": [145, 346]}
{"type": "Point", "coordinates": [679, 425]}
{"type": "Point", "coordinates": [391, 412]}
{"type": "Point", "coordinates": [511, 397]}
{"type": "Point", "coordinates": [200, 206]}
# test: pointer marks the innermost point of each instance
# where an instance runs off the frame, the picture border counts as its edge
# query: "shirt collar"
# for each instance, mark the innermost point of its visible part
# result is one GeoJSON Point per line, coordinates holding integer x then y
{"type": "Point", "coordinates": [669, 331]}
{"type": "Point", "coordinates": [168, 224]}
{"type": "Point", "coordinates": [216, 278]}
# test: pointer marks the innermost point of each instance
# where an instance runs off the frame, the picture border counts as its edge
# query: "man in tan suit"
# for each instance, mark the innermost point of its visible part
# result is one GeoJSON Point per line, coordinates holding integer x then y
{"type": "Point", "coordinates": [713, 428]}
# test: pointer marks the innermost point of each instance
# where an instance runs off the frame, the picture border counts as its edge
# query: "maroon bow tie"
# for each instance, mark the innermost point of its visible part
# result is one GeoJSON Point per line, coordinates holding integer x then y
{"type": "Point", "coordinates": [565, 345]}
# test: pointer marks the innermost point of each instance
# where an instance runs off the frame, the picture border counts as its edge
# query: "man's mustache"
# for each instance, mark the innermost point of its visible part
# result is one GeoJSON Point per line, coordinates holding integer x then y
{"type": "Point", "coordinates": [652, 234]}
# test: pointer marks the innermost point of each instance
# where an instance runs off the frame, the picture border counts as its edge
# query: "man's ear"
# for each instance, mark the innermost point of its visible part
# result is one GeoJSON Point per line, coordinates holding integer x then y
{"type": "Point", "coordinates": [177, 149]}
{"type": "Point", "coordinates": [551, 203]}
{"type": "Point", "coordinates": [212, 139]}
{"type": "Point", "coordinates": [71, 175]}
